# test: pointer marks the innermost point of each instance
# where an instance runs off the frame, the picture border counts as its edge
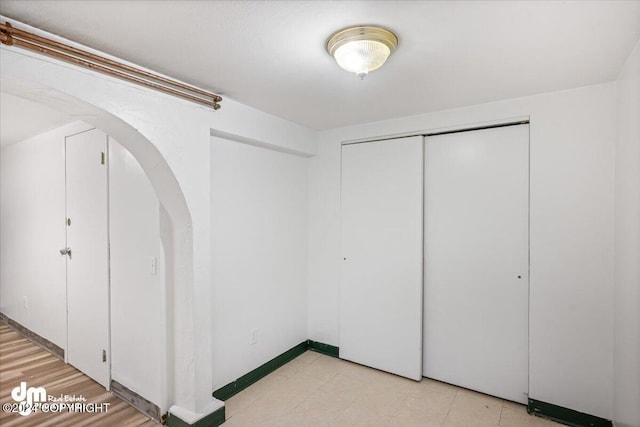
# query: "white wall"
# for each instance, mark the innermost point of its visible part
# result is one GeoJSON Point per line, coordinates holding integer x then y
{"type": "Point", "coordinates": [138, 333]}
{"type": "Point", "coordinates": [259, 255]}
{"type": "Point", "coordinates": [572, 160]}
{"type": "Point", "coordinates": [626, 380]}
{"type": "Point", "coordinates": [32, 200]}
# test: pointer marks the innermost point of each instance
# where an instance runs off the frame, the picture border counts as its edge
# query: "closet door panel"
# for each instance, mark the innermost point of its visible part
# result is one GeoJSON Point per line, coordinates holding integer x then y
{"type": "Point", "coordinates": [381, 288]}
{"type": "Point", "coordinates": [477, 260]}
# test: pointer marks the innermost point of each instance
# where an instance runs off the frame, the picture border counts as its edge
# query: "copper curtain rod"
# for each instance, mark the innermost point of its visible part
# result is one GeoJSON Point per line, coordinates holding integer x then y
{"type": "Point", "coordinates": [14, 37]}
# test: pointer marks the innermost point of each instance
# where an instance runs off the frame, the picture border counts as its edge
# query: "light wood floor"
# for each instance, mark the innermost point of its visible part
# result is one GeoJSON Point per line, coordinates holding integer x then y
{"type": "Point", "coordinates": [21, 360]}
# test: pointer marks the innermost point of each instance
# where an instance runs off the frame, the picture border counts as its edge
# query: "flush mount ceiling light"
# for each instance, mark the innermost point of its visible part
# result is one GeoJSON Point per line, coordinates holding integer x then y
{"type": "Point", "coordinates": [361, 49]}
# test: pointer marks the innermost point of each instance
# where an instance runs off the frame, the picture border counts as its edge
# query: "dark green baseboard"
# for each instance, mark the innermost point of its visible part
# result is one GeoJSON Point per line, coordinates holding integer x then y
{"type": "Point", "coordinates": [565, 415]}
{"type": "Point", "coordinates": [214, 419]}
{"type": "Point", "coordinates": [262, 371]}
{"type": "Point", "coordinates": [329, 350]}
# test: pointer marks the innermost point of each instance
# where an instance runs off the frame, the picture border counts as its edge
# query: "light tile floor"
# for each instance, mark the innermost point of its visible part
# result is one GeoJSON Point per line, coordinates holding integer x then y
{"type": "Point", "coordinates": [318, 390]}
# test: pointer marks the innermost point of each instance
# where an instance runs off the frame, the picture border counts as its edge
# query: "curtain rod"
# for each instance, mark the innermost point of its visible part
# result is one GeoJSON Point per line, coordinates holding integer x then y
{"type": "Point", "coordinates": [15, 37]}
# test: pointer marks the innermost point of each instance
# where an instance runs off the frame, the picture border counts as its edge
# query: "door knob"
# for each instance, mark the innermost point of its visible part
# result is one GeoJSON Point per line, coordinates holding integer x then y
{"type": "Point", "coordinates": [66, 251]}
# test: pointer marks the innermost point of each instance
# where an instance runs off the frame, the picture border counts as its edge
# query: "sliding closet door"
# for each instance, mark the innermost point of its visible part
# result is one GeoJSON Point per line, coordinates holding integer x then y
{"type": "Point", "coordinates": [381, 288]}
{"type": "Point", "coordinates": [476, 260]}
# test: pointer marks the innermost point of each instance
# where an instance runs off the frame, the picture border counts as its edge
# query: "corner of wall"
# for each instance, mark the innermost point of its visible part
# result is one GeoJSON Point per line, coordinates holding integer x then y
{"type": "Point", "coordinates": [626, 325]}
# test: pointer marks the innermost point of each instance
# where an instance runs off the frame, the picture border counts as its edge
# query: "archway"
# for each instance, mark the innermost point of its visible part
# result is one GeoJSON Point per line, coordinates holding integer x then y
{"type": "Point", "coordinates": [176, 228]}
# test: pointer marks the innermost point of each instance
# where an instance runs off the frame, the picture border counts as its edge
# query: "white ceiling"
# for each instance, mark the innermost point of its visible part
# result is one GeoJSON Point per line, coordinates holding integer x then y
{"type": "Point", "coordinates": [21, 119]}
{"type": "Point", "coordinates": [271, 54]}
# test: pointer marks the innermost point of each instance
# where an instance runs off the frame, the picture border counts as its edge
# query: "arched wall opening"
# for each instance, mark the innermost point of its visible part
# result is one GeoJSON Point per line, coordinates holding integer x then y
{"type": "Point", "coordinates": [175, 225]}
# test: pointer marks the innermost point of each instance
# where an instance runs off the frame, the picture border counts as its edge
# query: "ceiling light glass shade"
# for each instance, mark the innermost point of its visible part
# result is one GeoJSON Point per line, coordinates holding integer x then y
{"type": "Point", "coordinates": [361, 49]}
{"type": "Point", "coordinates": [361, 56]}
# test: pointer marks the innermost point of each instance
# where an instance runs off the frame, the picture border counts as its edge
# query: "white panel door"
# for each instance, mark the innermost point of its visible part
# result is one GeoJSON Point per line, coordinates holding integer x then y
{"type": "Point", "coordinates": [88, 262]}
{"type": "Point", "coordinates": [477, 260]}
{"type": "Point", "coordinates": [381, 287]}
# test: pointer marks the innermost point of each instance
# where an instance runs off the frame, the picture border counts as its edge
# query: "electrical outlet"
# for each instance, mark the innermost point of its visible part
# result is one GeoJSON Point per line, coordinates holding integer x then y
{"type": "Point", "coordinates": [25, 302]}
{"type": "Point", "coordinates": [253, 337]}
{"type": "Point", "coordinates": [153, 266]}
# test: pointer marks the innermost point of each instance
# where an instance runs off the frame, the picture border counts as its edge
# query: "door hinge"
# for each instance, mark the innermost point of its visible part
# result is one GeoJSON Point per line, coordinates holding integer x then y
{"type": "Point", "coordinates": [104, 355]}
{"type": "Point", "coordinates": [102, 158]}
